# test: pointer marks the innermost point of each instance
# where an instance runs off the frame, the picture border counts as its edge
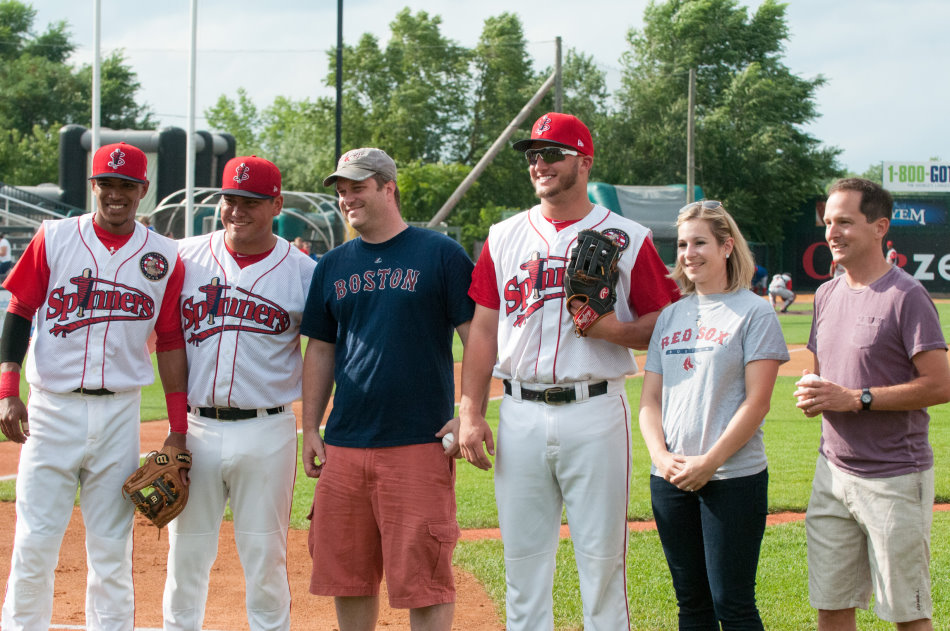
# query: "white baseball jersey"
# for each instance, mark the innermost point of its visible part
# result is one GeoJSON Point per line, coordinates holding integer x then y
{"type": "Point", "coordinates": [536, 340]}
{"type": "Point", "coordinates": [98, 302]}
{"type": "Point", "coordinates": [242, 325]}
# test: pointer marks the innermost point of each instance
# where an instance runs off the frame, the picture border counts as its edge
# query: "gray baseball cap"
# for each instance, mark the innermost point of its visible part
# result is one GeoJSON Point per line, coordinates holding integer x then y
{"type": "Point", "coordinates": [359, 164]}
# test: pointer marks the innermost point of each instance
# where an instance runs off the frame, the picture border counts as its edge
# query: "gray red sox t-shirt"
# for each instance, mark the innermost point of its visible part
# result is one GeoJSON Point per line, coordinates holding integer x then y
{"type": "Point", "coordinates": [700, 347]}
{"type": "Point", "coordinates": [868, 337]}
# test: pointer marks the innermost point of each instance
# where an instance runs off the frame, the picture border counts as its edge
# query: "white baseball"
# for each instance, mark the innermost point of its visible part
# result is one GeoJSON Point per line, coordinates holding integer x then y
{"type": "Point", "coordinates": [809, 378]}
{"type": "Point", "coordinates": [447, 440]}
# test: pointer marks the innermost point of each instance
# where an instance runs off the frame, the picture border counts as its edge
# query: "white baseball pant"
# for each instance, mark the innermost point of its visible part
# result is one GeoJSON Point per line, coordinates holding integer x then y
{"type": "Point", "coordinates": [253, 462]}
{"type": "Point", "coordinates": [75, 440]}
{"type": "Point", "coordinates": [575, 455]}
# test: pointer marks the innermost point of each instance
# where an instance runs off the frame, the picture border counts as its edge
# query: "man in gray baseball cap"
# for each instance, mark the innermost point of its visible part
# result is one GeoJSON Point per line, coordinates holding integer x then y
{"type": "Point", "coordinates": [359, 164]}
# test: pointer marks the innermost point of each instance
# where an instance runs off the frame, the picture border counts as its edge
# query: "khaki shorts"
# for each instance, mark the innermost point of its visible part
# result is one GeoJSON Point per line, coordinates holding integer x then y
{"type": "Point", "coordinates": [870, 533]}
{"type": "Point", "coordinates": [389, 509]}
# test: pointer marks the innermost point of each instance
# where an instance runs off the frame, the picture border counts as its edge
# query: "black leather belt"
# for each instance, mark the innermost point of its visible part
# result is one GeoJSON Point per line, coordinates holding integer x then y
{"type": "Point", "coordinates": [558, 394]}
{"type": "Point", "coordinates": [233, 414]}
{"type": "Point", "coordinates": [95, 392]}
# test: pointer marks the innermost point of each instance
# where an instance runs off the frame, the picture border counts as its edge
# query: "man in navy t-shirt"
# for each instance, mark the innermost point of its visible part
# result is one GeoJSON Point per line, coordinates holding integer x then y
{"type": "Point", "coordinates": [380, 317]}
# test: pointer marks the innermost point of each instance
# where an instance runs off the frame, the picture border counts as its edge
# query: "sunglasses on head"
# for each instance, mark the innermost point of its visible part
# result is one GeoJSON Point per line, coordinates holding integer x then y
{"type": "Point", "coordinates": [709, 204]}
{"type": "Point", "coordinates": [550, 155]}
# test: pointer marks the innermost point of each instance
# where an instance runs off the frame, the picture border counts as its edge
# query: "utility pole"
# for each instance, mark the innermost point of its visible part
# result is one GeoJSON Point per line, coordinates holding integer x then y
{"type": "Point", "coordinates": [690, 141]}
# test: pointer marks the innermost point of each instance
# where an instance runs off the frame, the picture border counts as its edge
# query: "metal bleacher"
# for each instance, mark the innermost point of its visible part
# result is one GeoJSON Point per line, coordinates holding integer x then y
{"type": "Point", "coordinates": [22, 212]}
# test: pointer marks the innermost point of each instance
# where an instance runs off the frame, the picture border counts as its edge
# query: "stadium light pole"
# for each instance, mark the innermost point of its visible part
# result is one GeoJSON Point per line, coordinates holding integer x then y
{"type": "Point", "coordinates": [96, 84]}
{"type": "Point", "coordinates": [339, 80]}
{"type": "Point", "coordinates": [190, 139]}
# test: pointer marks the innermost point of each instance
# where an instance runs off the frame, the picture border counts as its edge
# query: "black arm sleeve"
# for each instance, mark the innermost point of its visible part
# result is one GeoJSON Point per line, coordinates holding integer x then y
{"type": "Point", "coordinates": [14, 338]}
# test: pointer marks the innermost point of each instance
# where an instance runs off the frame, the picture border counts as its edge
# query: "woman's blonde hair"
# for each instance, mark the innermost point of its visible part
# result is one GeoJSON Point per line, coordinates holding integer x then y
{"type": "Point", "coordinates": [740, 266]}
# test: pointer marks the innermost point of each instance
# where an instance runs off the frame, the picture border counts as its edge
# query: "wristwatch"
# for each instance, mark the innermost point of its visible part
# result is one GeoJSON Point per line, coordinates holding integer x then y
{"type": "Point", "coordinates": [866, 399]}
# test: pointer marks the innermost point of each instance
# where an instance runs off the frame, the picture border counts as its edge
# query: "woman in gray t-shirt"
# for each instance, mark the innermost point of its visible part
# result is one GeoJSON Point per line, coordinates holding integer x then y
{"type": "Point", "coordinates": [710, 370]}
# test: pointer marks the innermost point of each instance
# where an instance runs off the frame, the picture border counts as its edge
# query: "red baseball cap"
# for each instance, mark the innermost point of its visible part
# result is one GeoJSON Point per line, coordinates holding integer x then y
{"type": "Point", "coordinates": [120, 160]}
{"type": "Point", "coordinates": [250, 176]}
{"type": "Point", "coordinates": [564, 130]}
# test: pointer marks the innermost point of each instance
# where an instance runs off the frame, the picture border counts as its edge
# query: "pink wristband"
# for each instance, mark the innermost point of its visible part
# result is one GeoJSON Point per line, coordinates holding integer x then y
{"type": "Point", "coordinates": [177, 405]}
{"type": "Point", "coordinates": [9, 384]}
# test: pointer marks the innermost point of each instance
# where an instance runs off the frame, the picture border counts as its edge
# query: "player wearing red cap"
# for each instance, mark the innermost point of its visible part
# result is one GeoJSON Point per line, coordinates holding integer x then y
{"type": "Point", "coordinates": [564, 430]}
{"type": "Point", "coordinates": [98, 285]}
{"type": "Point", "coordinates": [241, 305]}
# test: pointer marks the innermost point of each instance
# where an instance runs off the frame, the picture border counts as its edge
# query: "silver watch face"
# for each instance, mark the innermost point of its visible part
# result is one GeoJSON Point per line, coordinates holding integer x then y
{"type": "Point", "coordinates": [866, 398]}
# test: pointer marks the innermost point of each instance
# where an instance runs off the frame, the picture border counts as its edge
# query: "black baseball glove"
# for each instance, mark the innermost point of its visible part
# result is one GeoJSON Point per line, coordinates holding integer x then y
{"type": "Point", "coordinates": [591, 278]}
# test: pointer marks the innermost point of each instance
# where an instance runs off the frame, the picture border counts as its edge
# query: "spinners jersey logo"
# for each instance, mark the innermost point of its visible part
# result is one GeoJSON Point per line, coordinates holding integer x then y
{"type": "Point", "coordinates": [544, 280]}
{"type": "Point", "coordinates": [219, 312]}
{"type": "Point", "coordinates": [91, 295]}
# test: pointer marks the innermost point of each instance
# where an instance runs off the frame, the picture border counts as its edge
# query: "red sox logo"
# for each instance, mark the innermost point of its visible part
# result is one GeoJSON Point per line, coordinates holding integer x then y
{"type": "Point", "coordinates": [543, 282]}
{"type": "Point", "coordinates": [220, 312]}
{"type": "Point", "coordinates": [116, 159]}
{"type": "Point", "coordinates": [122, 302]}
{"type": "Point", "coordinates": [543, 125]}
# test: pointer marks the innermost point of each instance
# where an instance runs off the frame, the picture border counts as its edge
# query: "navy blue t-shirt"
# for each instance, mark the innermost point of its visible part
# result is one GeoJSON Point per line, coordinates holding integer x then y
{"type": "Point", "coordinates": [391, 309]}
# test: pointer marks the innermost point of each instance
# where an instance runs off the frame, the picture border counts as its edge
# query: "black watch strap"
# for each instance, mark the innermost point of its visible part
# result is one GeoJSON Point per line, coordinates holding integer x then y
{"type": "Point", "coordinates": [866, 399]}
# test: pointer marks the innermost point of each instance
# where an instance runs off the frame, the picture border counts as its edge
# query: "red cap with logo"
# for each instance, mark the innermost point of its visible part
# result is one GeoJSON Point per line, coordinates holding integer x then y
{"type": "Point", "coordinates": [120, 160]}
{"type": "Point", "coordinates": [559, 129]}
{"type": "Point", "coordinates": [250, 176]}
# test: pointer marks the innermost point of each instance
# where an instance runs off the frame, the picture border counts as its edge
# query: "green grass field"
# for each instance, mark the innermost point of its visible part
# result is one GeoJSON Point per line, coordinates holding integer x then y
{"type": "Point", "coordinates": [791, 443]}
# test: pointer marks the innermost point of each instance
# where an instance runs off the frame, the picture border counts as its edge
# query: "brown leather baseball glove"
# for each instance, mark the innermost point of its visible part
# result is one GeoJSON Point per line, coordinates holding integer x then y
{"type": "Point", "coordinates": [156, 488]}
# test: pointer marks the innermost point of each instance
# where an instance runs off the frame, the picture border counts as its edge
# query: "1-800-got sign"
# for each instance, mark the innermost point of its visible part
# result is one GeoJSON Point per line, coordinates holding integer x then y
{"type": "Point", "coordinates": [917, 177]}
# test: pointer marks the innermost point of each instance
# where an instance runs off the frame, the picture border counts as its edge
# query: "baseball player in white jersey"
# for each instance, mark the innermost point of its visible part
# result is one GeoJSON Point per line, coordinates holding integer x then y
{"type": "Point", "coordinates": [564, 433]}
{"type": "Point", "coordinates": [98, 284]}
{"type": "Point", "coordinates": [241, 304]}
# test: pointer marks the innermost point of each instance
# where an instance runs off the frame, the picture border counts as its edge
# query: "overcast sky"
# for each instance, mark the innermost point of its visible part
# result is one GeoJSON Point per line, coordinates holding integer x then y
{"type": "Point", "coordinates": [885, 61]}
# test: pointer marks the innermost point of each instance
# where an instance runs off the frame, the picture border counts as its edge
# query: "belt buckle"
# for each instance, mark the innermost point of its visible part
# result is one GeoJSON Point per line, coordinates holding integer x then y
{"type": "Point", "coordinates": [553, 392]}
{"type": "Point", "coordinates": [217, 414]}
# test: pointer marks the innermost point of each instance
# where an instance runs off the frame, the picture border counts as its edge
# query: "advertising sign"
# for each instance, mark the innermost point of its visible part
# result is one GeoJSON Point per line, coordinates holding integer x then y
{"type": "Point", "coordinates": [917, 177]}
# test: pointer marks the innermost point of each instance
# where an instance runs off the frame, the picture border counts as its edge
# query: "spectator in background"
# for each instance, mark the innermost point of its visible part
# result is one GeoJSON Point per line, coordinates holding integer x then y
{"type": "Point", "coordinates": [6, 256]}
{"type": "Point", "coordinates": [302, 245]}
{"type": "Point", "coordinates": [760, 280]}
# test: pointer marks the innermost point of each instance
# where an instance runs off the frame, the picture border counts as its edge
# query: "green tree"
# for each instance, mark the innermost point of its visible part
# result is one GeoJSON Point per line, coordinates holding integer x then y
{"type": "Point", "coordinates": [40, 92]}
{"type": "Point", "coordinates": [410, 94]}
{"type": "Point", "coordinates": [751, 150]}
{"type": "Point", "coordinates": [42, 147]}
{"type": "Point", "coordinates": [238, 117]}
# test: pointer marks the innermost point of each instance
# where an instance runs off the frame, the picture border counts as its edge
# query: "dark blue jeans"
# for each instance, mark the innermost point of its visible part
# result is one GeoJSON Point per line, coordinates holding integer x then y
{"type": "Point", "coordinates": [711, 539]}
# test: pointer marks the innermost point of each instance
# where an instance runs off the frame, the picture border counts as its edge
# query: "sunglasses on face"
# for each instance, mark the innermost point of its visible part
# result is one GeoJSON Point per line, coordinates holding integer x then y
{"type": "Point", "coordinates": [550, 155]}
{"type": "Point", "coordinates": [709, 204]}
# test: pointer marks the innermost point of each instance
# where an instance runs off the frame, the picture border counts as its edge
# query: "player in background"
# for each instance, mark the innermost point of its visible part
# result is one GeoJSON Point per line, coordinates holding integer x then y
{"type": "Point", "coordinates": [779, 287]}
{"type": "Point", "coordinates": [891, 255]}
{"type": "Point", "coordinates": [241, 304]}
{"type": "Point", "coordinates": [881, 354]}
{"type": "Point", "coordinates": [380, 318]}
{"type": "Point", "coordinates": [98, 284]}
{"type": "Point", "coordinates": [707, 384]}
{"type": "Point", "coordinates": [564, 433]}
